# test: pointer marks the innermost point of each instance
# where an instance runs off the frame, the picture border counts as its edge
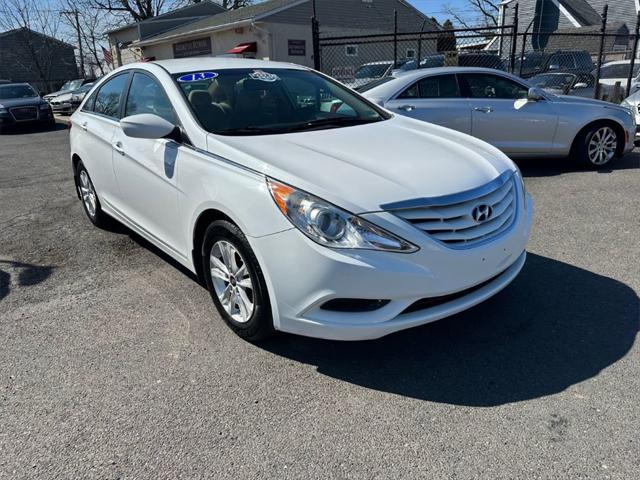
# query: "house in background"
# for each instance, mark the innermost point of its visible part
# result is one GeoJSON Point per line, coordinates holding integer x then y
{"type": "Point", "coordinates": [43, 61]}
{"type": "Point", "coordinates": [541, 18]}
{"type": "Point", "coordinates": [121, 39]}
{"type": "Point", "coordinates": [281, 30]}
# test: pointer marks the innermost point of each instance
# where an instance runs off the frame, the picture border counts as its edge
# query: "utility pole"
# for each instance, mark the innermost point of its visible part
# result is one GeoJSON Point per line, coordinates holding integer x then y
{"type": "Point", "coordinates": [77, 27]}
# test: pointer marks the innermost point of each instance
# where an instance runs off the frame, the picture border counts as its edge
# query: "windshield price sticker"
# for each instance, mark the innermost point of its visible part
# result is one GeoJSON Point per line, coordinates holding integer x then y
{"type": "Point", "coordinates": [197, 76]}
{"type": "Point", "coordinates": [264, 76]}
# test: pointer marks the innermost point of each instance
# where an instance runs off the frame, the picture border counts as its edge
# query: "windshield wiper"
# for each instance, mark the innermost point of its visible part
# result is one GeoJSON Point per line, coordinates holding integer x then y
{"type": "Point", "coordinates": [250, 130]}
{"type": "Point", "coordinates": [331, 122]}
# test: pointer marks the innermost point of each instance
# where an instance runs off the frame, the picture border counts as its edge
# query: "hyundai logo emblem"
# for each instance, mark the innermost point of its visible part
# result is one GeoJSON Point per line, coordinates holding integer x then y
{"type": "Point", "coordinates": [482, 213]}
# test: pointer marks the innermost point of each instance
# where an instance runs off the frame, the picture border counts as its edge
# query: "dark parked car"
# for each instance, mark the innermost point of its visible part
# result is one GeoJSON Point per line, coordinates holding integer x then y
{"type": "Point", "coordinates": [567, 61]}
{"type": "Point", "coordinates": [465, 59]}
{"type": "Point", "coordinates": [566, 83]}
{"type": "Point", "coordinates": [21, 104]}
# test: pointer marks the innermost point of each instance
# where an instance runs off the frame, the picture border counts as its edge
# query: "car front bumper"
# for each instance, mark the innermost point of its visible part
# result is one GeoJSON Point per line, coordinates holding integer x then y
{"type": "Point", "coordinates": [302, 276]}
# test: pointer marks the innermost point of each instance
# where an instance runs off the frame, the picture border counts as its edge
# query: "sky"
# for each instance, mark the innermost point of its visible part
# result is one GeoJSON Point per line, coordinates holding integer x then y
{"type": "Point", "coordinates": [437, 8]}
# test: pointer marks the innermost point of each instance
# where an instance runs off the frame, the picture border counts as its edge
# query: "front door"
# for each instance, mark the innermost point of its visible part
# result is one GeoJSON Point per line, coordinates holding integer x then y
{"type": "Point", "coordinates": [146, 170]}
{"type": "Point", "coordinates": [502, 115]}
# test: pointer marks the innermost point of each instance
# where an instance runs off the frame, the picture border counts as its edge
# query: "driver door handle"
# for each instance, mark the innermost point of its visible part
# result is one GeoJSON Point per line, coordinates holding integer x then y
{"type": "Point", "coordinates": [484, 109]}
{"type": "Point", "coordinates": [407, 108]}
{"type": "Point", "coordinates": [83, 126]}
{"type": "Point", "coordinates": [118, 148]}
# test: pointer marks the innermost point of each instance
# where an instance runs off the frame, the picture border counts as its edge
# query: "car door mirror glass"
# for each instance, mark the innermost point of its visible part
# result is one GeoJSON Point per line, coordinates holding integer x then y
{"type": "Point", "coordinates": [146, 125]}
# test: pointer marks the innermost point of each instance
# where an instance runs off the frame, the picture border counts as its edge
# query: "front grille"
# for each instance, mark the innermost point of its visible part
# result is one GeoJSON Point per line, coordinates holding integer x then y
{"type": "Point", "coordinates": [466, 219]}
{"type": "Point", "coordinates": [21, 114]}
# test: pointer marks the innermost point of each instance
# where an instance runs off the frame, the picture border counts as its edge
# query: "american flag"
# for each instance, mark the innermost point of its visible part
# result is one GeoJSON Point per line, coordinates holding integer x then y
{"type": "Point", "coordinates": [107, 56]}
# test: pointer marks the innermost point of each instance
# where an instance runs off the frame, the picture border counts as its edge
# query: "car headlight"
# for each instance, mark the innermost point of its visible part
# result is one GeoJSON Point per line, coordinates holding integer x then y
{"type": "Point", "coordinates": [3, 109]}
{"type": "Point", "coordinates": [331, 226]}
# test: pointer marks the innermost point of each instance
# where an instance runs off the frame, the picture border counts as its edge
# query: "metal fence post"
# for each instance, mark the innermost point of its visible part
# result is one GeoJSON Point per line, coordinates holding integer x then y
{"type": "Point", "coordinates": [418, 60]}
{"type": "Point", "coordinates": [603, 32]}
{"type": "Point", "coordinates": [315, 35]}
{"type": "Point", "coordinates": [395, 38]}
{"type": "Point", "coordinates": [514, 39]}
{"type": "Point", "coordinates": [633, 56]}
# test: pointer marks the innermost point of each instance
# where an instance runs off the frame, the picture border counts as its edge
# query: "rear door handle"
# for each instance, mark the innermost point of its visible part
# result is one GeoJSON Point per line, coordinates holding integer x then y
{"type": "Point", "coordinates": [407, 108]}
{"type": "Point", "coordinates": [484, 109]}
{"type": "Point", "coordinates": [118, 148]}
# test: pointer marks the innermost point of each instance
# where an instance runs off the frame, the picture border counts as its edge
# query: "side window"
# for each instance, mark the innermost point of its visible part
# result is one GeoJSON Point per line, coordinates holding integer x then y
{"type": "Point", "coordinates": [89, 104]}
{"type": "Point", "coordinates": [443, 86]}
{"type": "Point", "coordinates": [147, 96]}
{"type": "Point", "coordinates": [494, 86]}
{"type": "Point", "coordinates": [108, 97]}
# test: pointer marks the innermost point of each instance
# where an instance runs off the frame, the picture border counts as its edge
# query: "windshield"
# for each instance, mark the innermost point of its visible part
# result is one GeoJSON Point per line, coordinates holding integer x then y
{"type": "Point", "coordinates": [71, 85]}
{"type": "Point", "coordinates": [372, 71]}
{"type": "Point", "coordinates": [270, 101]}
{"type": "Point", "coordinates": [620, 70]}
{"type": "Point", "coordinates": [552, 81]}
{"type": "Point", "coordinates": [85, 88]}
{"type": "Point", "coordinates": [17, 91]}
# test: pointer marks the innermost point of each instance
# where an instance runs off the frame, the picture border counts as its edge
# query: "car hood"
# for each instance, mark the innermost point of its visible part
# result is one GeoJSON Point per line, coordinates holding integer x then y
{"type": "Point", "coordinates": [20, 102]}
{"type": "Point", "coordinates": [64, 97]}
{"type": "Point", "coordinates": [585, 101]}
{"type": "Point", "coordinates": [55, 94]}
{"type": "Point", "coordinates": [362, 167]}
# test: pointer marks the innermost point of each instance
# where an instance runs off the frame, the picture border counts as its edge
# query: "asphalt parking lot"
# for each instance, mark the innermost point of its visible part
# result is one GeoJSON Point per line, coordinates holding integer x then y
{"type": "Point", "coordinates": [114, 363]}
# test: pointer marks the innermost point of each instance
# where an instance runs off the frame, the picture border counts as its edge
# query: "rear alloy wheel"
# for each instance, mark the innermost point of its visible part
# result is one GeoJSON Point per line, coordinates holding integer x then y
{"type": "Point", "coordinates": [600, 145]}
{"type": "Point", "coordinates": [234, 279]}
{"type": "Point", "coordinates": [89, 197]}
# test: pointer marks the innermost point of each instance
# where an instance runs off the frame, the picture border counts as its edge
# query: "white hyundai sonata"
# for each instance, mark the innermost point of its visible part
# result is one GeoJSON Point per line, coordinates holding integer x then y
{"type": "Point", "coordinates": [301, 205]}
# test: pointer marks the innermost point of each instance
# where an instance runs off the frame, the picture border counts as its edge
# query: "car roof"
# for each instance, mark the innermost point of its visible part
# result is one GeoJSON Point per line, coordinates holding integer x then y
{"type": "Point", "coordinates": [194, 64]}
{"type": "Point", "coordinates": [420, 72]}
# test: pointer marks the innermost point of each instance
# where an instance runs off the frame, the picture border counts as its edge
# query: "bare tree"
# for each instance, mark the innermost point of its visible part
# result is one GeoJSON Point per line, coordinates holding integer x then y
{"type": "Point", "coordinates": [35, 52]}
{"type": "Point", "coordinates": [137, 10]}
{"type": "Point", "coordinates": [485, 13]}
{"type": "Point", "coordinates": [234, 4]}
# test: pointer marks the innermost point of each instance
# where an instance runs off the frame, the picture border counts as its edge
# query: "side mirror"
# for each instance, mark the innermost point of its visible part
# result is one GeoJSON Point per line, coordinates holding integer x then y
{"type": "Point", "coordinates": [146, 125]}
{"type": "Point", "coordinates": [535, 95]}
{"type": "Point", "coordinates": [581, 85]}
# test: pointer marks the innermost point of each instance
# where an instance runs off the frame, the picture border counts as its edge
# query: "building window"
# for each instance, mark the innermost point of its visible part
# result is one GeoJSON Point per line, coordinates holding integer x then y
{"type": "Point", "coordinates": [351, 50]}
{"type": "Point", "coordinates": [411, 53]}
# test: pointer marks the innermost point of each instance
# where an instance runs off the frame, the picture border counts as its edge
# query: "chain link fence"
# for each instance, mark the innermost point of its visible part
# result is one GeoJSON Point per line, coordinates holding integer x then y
{"type": "Point", "coordinates": [562, 61]}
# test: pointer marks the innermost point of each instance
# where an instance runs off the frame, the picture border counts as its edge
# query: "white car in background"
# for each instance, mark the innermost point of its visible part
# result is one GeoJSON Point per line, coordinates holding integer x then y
{"type": "Point", "coordinates": [345, 225]}
{"type": "Point", "coordinates": [507, 112]}
{"type": "Point", "coordinates": [618, 72]}
{"type": "Point", "coordinates": [633, 104]}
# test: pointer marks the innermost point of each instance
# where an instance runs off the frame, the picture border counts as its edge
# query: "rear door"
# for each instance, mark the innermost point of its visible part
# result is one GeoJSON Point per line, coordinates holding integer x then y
{"type": "Point", "coordinates": [146, 169]}
{"type": "Point", "coordinates": [434, 99]}
{"type": "Point", "coordinates": [502, 116]}
{"type": "Point", "coordinates": [94, 128]}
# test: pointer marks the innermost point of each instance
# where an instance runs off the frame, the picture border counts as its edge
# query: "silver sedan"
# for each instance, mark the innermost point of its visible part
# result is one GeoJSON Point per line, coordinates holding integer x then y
{"type": "Point", "coordinates": [504, 110]}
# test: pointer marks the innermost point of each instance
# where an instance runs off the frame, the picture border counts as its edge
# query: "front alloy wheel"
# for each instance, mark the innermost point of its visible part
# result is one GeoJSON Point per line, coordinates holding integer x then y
{"type": "Point", "coordinates": [231, 281]}
{"type": "Point", "coordinates": [235, 280]}
{"type": "Point", "coordinates": [603, 144]}
{"type": "Point", "coordinates": [89, 197]}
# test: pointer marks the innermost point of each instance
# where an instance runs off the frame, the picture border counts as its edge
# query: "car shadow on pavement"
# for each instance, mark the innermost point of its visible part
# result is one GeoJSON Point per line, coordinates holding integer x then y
{"type": "Point", "coordinates": [28, 274]}
{"type": "Point", "coordinates": [555, 326]}
{"type": "Point", "coordinates": [549, 167]}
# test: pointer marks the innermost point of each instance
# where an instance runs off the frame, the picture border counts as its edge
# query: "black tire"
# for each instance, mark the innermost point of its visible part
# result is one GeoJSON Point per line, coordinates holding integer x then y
{"type": "Point", "coordinates": [98, 217]}
{"type": "Point", "coordinates": [260, 324]}
{"type": "Point", "coordinates": [581, 150]}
